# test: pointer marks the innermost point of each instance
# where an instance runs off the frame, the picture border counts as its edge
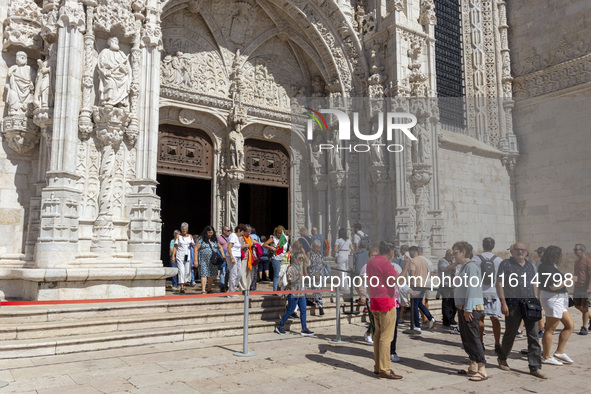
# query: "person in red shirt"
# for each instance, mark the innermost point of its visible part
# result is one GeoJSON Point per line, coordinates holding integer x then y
{"type": "Point", "coordinates": [381, 278]}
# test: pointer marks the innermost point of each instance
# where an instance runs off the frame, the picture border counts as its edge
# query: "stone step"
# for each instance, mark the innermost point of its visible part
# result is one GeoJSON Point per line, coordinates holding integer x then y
{"type": "Point", "coordinates": [50, 329]}
{"type": "Point", "coordinates": [116, 339]}
{"type": "Point", "coordinates": [46, 313]}
{"type": "Point", "coordinates": [28, 331]}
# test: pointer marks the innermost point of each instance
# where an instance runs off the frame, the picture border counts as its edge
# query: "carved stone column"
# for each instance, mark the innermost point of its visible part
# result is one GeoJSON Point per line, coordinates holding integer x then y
{"type": "Point", "coordinates": [233, 179]}
{"type": "Point", "coordinates": [58, 239]}
{"type": "Point", "coordinates": [143, 202]}
{"type": "Point", "coordinates": [109, 131]}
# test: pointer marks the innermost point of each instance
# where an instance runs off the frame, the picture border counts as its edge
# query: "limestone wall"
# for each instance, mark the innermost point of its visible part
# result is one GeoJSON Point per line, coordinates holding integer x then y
{"type": "Point", "coordinates": [551, 61]}
{"type": "Point", "coordinates": [475, 195]}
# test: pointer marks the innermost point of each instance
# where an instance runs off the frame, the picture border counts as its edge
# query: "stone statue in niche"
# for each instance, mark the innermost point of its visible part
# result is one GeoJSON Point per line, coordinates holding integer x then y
{"type": "Point", "coordinates": [42, 85]}
{"type": "Point", "coordinates": [20, 86]}
{"type": "Point", "coordinates": [236, 150]}
{"type": "Point", "coordinates": [114, 75]}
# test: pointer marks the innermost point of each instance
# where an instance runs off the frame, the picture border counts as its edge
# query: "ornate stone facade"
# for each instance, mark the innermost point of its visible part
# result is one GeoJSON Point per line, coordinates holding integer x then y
{"type": "Point", "coordinates": [95, 89]}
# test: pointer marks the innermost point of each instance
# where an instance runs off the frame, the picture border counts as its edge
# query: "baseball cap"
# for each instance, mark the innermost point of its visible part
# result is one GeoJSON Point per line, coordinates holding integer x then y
{"type": "Point", "coordinates": [541, 249]}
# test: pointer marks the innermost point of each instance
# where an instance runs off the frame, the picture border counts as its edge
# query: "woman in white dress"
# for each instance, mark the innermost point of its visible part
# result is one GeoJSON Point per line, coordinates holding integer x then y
{"type": "Point", "coordinates": [341, 251]}
{"type": "Point", "coordinates": [182, 255]}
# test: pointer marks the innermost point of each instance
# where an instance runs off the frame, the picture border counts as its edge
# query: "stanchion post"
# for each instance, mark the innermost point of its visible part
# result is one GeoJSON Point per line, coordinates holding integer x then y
{"type": "Point", "coordinates": [338, 339]}
{"type": "Point", "coordinates": [245, 352]}
{"type": "Point", "coordinates": [351, 312]}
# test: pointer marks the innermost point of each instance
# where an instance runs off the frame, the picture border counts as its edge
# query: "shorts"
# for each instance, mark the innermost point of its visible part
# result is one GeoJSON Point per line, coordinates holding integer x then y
{"type": "Point", "coordinates": [554, 304]}
{"type": "Point", "coordinates": [263, 265]}
{"type": "Point", "coordinates": [492, 305]}
{"type": "Point", "coordinates": [585, 300]}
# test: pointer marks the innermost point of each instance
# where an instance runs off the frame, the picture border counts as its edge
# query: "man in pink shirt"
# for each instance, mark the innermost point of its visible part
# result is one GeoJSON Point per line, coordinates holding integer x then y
{"type": "Point", "coordinates": [381, 278]}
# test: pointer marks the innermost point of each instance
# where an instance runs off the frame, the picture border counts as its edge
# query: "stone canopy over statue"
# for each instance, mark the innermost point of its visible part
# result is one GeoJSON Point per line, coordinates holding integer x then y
{"type": "Point", "coordinates": [114, 75]}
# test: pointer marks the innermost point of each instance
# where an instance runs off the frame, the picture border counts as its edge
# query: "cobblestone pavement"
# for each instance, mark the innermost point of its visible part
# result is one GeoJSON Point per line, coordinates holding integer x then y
{"type": "Point", "coordinates": [290, 363]}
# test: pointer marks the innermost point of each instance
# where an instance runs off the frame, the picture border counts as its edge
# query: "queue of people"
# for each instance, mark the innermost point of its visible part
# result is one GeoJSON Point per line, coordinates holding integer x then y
{"type": "Point", "coordinates": [513, 289]}
{"type": "Point", "coordinates": [530, 297]}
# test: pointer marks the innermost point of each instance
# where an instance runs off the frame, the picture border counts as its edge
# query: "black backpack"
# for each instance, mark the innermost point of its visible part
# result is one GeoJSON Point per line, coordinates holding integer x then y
{"type": "Point", "coordinates": [364, 241]}
{"type": "Point", "coordinates": [487, 267]}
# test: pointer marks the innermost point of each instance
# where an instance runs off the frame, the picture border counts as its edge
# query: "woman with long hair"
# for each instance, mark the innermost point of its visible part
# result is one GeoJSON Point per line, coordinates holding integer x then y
{"type": "Point", "coordinates": [182, 255]}
{"type": "Point", "coordinates": [341, 251]}
{"type": "Point", "coordinates": [554, 300]}
{"type": "Point", "coordinates": [279, 248]}
{"type": "Point", "coordinates": [207, 244]}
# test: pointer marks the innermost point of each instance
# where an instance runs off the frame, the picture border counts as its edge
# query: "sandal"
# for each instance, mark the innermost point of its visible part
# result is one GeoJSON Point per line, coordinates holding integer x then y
{"type": "Point", "coordinates": [478, 377]}
{"type": "Point", "coordinates": [466, 372]}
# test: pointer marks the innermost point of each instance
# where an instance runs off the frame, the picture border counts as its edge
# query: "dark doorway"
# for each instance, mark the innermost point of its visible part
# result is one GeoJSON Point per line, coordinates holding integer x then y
{"type": "Point", "coordinates": [183, 199]}
{"type": "Point", "coordinates": [263, 207]}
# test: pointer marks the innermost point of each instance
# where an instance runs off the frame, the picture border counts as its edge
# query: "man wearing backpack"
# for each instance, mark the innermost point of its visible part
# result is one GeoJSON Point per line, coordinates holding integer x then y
{"type": "Point", "coordinates": [489, 266]}
{"type": "Point", "coordinates": [360, 239]}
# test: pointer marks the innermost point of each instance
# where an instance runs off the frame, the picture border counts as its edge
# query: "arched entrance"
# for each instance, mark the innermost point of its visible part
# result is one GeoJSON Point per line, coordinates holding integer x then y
{"type": "Point", "coordinates": [263, 200]}
{"type": "Point", "coordinates": [185, 174]}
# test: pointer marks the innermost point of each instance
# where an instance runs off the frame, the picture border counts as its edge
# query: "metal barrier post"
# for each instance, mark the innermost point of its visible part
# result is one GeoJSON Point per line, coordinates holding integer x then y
{"type": "Point", "coordinates": [351, 312]}
{"type": "Point", "coordinates": [245, 352]}
{"type": "Point", "coordinates": [338, 339]}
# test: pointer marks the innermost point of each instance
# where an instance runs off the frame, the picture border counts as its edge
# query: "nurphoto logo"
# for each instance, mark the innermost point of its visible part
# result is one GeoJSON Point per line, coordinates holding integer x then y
{"type": "Point", "coordinates": [402, 121]}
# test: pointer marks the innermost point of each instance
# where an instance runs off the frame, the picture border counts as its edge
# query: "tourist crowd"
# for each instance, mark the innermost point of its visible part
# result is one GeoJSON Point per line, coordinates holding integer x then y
{"type": "Point", "coordinates": [532, 298]}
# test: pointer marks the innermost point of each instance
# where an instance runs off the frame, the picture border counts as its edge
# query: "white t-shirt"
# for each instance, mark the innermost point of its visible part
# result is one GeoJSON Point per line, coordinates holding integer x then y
{"type": "Point", "coordinates": [497, 262]}
{"type": "Point", "coordinates": [343, 248]}
{"type": "Point", "coordinates": [233, 239]}
{"type": "Point", "coordinates": [357, 237]}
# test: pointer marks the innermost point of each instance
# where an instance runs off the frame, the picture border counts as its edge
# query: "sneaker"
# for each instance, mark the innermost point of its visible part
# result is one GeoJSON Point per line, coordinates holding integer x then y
{"type": "Point", "coordinates": [280, 330]}
{"type": "Point", "coordinates": [519, 334]}
{"type": "Point", "coordinates": [175, 288]}
{"type": "Point", "coordinates": [583, 331]}
{"type": "Point", "coordinates": [455, 330]}
{"type": "Point", "coordinates": [563, 358]}
{"type": "Point", "coordinates": [503, 364]}
{"type": "Point", "coordinates": [540, 334]}
{"type": "Point", "coordinates": [365, 310]}
{"type": "Point", "coordinates": [233, 296]}
{"type": "Point", "coordinates": [538, 374]}
{"type": "Point", "coordinates": [401, 321]}
{"type": "Point", "coordinates": [394, 357]}
{"type": "Point", "coordinates": [294, 315]}
{"type": "Point", "coordinates": [367, 338]}
{"type": "Point", "coordinates": [417, 329]}
{"type": "Point", "coordinates": [551, 361]}
{"type": "Point", "coordinates": [432, 323]}
{"type": "Point", "coordinates": [307, 333]}
{"type": "Point", "coordinates": [321, 311]}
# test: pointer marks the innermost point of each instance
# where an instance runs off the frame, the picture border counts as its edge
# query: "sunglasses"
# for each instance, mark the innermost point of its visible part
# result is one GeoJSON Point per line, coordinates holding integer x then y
{"type": "Point", "coordinates": [575, 249]}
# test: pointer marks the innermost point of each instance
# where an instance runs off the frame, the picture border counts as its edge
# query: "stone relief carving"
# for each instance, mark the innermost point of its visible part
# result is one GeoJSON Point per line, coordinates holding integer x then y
{"type": "Point", "coordinates": [20, 88]}
{"type": "Point", "coordinates": [114, 75]}
{"type": "Point", "coordinates": [22, 25]}
{"type": "Point", "coordinates": [116, 14]}
{"type": "Point", "coordinates": [18, 128]}
{"type": "Point", "coordinates": [72, 14]}
{"type": "Point", "coordinates": [427, 14]}
{"type": "Point", "coordinates": [197, 72]}
{"type": "Point", "coordinates": [43, 86]}
{"type": "Point", "coordinates": [564, 52]}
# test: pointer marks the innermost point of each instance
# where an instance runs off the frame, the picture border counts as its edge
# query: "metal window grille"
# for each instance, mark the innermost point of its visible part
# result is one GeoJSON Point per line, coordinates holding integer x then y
{"type": "Point", "coordinates": [448, 64]}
